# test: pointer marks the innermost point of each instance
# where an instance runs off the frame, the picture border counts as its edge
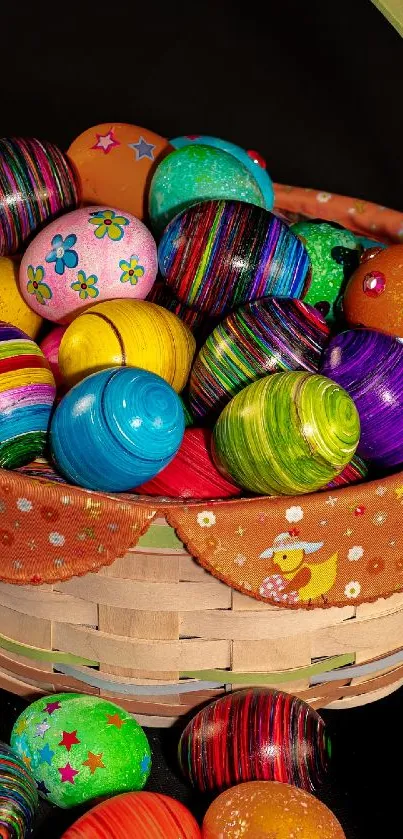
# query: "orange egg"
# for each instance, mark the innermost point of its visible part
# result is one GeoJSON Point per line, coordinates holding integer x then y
{"type": "Point", "coordinates": [374, 294]}
{"type": "Point", "coordinates": [261, 809]}
{"type": "Point", "coordinates": [115, 162]}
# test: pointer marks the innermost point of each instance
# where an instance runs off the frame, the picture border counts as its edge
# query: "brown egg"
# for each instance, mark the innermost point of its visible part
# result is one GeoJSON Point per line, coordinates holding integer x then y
{"type": "Point", "coordinates": [374, 294]}
{"type": "Point", "coordinates": [115, 163]}
{"type": "Point", "coordinates": [269, 810]}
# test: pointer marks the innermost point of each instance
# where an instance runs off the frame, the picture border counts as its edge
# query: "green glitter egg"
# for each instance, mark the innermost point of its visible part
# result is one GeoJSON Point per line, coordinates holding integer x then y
{"type": "Point", "coordinates": [80, 747]}
{"type": "Point", "coordinates": [286, 434]}
{"type": "Point", "coordinates": [334, 254]}
{"type": "Point", "coordinates": [198, 173]}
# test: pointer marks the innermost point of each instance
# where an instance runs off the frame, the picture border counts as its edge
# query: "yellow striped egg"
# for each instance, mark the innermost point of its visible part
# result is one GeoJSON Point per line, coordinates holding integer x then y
{"type": "Point", "coordinates": [122, 333]}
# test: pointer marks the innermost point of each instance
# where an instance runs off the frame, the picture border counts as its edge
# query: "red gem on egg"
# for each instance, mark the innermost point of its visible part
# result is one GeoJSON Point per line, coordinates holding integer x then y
{"type": "Point", "coordinates": [107, 221]}
{"type": "Point", "coordinates": [369, 253]}
{"type": "Point", "coordinates": [84, 286]}
{"type": "Point", "coordinates": [131, 272]}
{"type": "Point", "coordinates": [374, 283]}
{"type": "Point", "coordinates": [257, 158]}
{"type": "Point", "coordinates": [35, 285]}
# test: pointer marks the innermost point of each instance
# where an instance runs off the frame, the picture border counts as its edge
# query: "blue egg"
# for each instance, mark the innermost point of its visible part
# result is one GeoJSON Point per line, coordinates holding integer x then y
{"type": "Point", "coordinates": [116, 429]}
{"type": "Point", "coordinates": [251, 160]}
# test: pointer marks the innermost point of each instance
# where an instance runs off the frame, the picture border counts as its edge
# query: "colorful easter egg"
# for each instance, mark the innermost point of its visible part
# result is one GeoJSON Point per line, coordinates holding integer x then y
{"type": "Point", "coordinates": [41, 469]}
{"type": "Point", "coordinates": [255, 734]}
{"type": "Point", "coordinates": [369, 365]}
{"type": "Point", "coordinates": [84, 257]}
{"type": "Point", "coordinates": [218, 255]}
{"type": "Point", "coordinates": [198, 173]}
{"type": "Point", "coordinates": [374, 295]}
{"type": "Point", "coordinates": [186, 412]}
{"type": "Point", "coordinates": [121, 333]}
{"type": "Point", "coordinates": [192, 473]}
{"type": "Point", "coordinates": [136, 815]}
{"type": "Point", "coordinates": [355, 472]}
{"type": "Point", "coordinates": [267, 336]}
{"type": "Point", "coordinates": [37, 183]}
{"type": "Point", "coordinates": [18, 796]}
{"type": "Point", "coordinates": [116, 429]}
{"type": "Point", "coordinates": [27, 393]}
{"type": "Point", "coordinates": [262, 809]}
{"type": "Point", "coordinates": [288, 433]}
{"type": "Point", "coordinates": [252, 160]}
{"type": "Point", "coordinates": [13, 308]}
{"type": "Point", "coordinates": [50, 348]}
{"type": "Point", "coordinates": [334, 254]}
{"type": "Point", "coordinates": [199, 323]}
{"type": "Point", "coordinates": [115, 162]}
{"type": "Point", "coordinates": [80, 747]}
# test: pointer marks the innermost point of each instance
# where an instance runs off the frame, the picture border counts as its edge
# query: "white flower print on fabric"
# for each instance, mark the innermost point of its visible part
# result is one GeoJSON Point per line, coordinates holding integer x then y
{"type": "Point", "coordinates": [294, 514]}
{"type": "Point", "coordinates": [206, 518]}
{"type": "Point", "coordinates": [56, 539]}
{"type": "Point", "coordinates": [355, 553]}
{"type": "Point", "coordinates": [352, 589]}
{"type": "Point", "coordinates": [24, 505]}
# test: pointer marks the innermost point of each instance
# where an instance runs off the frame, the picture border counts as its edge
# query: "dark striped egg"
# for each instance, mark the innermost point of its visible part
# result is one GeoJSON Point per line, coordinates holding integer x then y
{"type": "Point", "coordinates": [218, 255]}
{"type": "Point", "coordinates": [255, 734]}
{"type": "Point", "coordinates": [268, 336]}
{"type": "Point", "coordinates": [27, 393]}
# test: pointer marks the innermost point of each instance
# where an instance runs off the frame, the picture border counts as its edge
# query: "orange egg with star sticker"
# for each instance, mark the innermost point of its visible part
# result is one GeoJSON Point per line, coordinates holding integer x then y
{"type": "Point", "coordinates": [374, 294]}
{"type": "Point", "coordinates": [115, 162]}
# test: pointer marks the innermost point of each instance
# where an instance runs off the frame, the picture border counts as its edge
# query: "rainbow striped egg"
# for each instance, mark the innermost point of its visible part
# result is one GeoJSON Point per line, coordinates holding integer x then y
{"type": "Point", "coordinates": [18, 796]}
{"type": "Point", "coordinates": [27, 393]}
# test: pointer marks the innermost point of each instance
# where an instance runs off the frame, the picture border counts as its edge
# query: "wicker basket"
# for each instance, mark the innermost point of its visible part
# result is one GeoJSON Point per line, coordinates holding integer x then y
{"type": "Point", "coordinates": [153, 629]}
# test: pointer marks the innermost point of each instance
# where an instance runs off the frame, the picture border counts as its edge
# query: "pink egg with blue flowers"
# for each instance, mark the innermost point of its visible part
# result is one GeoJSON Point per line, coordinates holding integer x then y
{"type": "Point", "coordinates": [84, 257]}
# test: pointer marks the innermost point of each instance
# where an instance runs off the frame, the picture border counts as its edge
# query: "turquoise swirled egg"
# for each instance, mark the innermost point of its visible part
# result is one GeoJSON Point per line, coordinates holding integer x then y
{"type": "Point", "coordinates": [198, 173]}
{"type": "Point", "coordinates": [116, 429]}
{"type": "Point", "coordinates": [219, 255]}
{"type": "Point", "coordinates": [286, 434]}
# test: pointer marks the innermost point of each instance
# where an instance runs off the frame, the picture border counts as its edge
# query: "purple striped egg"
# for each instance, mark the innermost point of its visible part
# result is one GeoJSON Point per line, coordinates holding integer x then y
{"type": "Point", "coordinates": [369, 366]}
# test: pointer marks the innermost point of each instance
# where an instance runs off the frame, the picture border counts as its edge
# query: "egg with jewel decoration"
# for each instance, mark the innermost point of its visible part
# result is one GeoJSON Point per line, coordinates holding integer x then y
{"type": "Point", "coordinates": [253, 161]}
{"type": "Point", "coordinates": [369, 366]}
{"type": "Point", "coordinates": [136, 815]}
{"type": "Point", "coordinates": [263, 809]}
{"type": "Point", "coordinates": [374, 294]}
{"type": "Point", "coordinates": [254, 734]}
{"type": "Point", "coordinates": [219, 255]}
{"type": "Point", "coordinates": [115, 162]}
{"type": "Point", "coordinates": [267, 336]}
{"type": "Point", "coordinates": [287, 433]}
{"type": "Point", "coordinates": [80, 747]}
{"type": "Point", "coordinates": [84, 257]}
{"type": "Point", "coordinates": [334, 254]}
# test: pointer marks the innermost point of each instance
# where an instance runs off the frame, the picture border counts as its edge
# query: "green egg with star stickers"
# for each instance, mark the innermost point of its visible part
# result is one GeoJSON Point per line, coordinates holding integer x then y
{"type": "Point", "coordinates": [334, 254]}
{"type": "Point", "coordinates": [81, 747]}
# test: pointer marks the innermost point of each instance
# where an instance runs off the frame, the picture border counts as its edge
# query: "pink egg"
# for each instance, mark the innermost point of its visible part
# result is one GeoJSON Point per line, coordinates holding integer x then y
{"type": "Point", "coordinates": [84, 257]}
{"type": "Point", "coordinates": [50, 348]}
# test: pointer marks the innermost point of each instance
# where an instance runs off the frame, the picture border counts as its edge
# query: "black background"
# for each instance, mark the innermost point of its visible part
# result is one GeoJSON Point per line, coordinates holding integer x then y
{"type": "Point", "coordinates": [316, 87]}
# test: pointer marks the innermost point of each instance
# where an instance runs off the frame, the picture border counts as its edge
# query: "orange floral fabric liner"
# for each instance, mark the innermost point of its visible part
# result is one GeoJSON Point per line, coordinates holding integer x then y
{"type": "Point", "coordinates": [316, 551]}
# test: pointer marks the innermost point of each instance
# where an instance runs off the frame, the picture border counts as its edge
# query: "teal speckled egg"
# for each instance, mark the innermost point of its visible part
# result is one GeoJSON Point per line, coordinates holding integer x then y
{"type": "Point", "coordinates": [198, 173]}
{"type": "Point", "coordinates": [334, 253]}
{"type": "Point", "coordinates": [81, 747]}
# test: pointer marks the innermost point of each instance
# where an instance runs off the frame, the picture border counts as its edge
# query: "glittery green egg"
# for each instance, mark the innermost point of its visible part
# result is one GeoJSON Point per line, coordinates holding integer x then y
{"type": "Point", "coordinates": [334, 254]}
{"type": "Point", "coordinates": [198, 173]}
{"type": "Point", "coordinates": [286, 434]}
{"type": "Point", "coordinates": [81, 747]}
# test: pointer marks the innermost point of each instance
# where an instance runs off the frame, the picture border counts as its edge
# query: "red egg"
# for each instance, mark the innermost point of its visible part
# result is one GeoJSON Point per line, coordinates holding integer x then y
{"type": "Point", "coordinates": [50, 348]}
{"type": "Point", "coordinates": [192, 473]}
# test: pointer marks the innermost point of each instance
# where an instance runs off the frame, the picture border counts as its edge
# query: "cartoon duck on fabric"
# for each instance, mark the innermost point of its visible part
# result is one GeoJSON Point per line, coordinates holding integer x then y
{"type": "Point", "coordinates": [295, 575]}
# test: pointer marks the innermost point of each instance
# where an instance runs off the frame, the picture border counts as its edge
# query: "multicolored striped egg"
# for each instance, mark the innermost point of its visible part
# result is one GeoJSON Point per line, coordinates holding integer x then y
{"type": "Point", "coordinates": [267, 336]}
{"type": "Point", "coordinates": [355, 472]}
{"type": "Point", "coordinates": [199, 323]}
{"type": "Point", "coordinates": [269, 810]}
{"type": "Point", "coordinates": [121, 333]}
{"type": "Point", "coordinates": [334, 253]}
{"type": "Point", "coordinates": [13, 308]}
{"type": "Point", "coordinates": [255, 734]}
{"type": "Point", "coordinates": [27, 393]}
{"type": "Point", "coordinates": [18, 796]}
{"type": "Point", "coordinates": [37, 183]}
{"type": "Point", "coordinates": [50, 348]}
{"type": "Point", "coordinates": [369, 365]}
{"type": "Point", "coordinates": [288, 433]}
{"type": "Point", "coordinates": [198, 173]}
{"type": "Point", "coordinates": [219, 255]}
{"type": "Point", "coordinates": [136, 815]}
{"type": "Point", "coordinates": [192, 473]}
{"type": "Point", "coordinates": [116, 429]}
{"type": "Point", "coordinates": [89, 255]}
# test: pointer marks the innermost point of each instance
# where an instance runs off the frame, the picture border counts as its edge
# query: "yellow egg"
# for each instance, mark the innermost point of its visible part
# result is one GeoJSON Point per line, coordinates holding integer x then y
{"type": "Point", "coordinates": [13, 308]}
{"type": "Point", "coordinates": [121, 333]}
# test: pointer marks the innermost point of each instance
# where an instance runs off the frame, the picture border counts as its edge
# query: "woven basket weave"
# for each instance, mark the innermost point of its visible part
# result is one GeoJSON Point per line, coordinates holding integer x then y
{"type": "Point", "coordinates": [159, 634]}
